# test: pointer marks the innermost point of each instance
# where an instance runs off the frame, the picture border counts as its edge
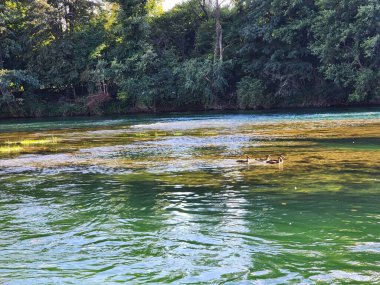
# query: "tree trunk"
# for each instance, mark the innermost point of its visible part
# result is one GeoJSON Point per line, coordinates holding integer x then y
{"type": "Point", "coordinates": [204, 8]}
{"type": "Point", "coordinates": [218, 53]}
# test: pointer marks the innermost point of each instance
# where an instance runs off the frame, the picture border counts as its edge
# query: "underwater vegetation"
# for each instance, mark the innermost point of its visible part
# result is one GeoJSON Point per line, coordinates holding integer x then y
{"type": "Point", "coordinates": [10, 149]}
{"type": "Point", "coordinates": [20, 145]}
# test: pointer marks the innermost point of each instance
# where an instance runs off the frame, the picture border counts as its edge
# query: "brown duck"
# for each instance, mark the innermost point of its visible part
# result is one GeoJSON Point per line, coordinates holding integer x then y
{"type": "Point", "coordinates": [266, 159]}
{"type": "Point", "coordinates": [280, 160]}
{"type": "Point", "coordinates": [246, 160]}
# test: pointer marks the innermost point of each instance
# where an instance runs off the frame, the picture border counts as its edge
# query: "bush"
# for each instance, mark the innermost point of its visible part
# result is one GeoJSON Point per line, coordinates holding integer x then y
{"type": "Point", "coordinates": [71, 109]}
{"type": "Point", "coordinates": [194, 83]}
{"type": "Point", "coordinates": [250, 93]}
{"type": "Point", "coordinates": [34, 105]}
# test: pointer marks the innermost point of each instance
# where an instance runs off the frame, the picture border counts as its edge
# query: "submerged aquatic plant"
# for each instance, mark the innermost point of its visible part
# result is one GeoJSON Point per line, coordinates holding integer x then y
{"type": "Point", "coordinates": [159, 134]}
{"type": "Point", "coordinates": [52, 140]}
{"type": "Point", "coordinates": [10, 149]}
{"type": "Point", "coordinates": [29, 142]}
{"type": "Point", "coordinates": [209, 133]}
{"type": "Point", "coordinates": [142, 135]}
{"type": "Point", "coordinates": [18, 146]}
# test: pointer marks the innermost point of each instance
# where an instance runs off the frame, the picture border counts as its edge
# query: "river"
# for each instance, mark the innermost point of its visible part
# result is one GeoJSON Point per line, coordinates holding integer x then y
{"type": "Point", "coordinates": [161, 199]}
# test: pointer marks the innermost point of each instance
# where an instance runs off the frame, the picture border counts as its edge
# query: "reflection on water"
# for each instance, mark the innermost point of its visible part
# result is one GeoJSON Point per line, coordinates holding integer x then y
{"type": "Point", "coordinates": [162, 200]}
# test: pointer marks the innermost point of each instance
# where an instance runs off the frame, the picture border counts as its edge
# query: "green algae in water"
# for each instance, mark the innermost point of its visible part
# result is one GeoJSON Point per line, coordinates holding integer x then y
{"type": "Point", "coordinates": [10, 149]}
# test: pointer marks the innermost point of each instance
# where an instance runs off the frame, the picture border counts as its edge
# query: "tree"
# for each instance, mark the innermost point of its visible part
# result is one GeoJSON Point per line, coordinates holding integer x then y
{"type": "Point", "coordinates": [347, 40]}
{"type": "Point", "coordinates": [275, 50]}
{"type": "Point", "coordinates": [16, 39]}
{"type": "Point", "coordinates": [218, 54]}
{"type": "Point", "coordinates": [178, 28]}
{"type": "Point", "coordinates": [87, 55]}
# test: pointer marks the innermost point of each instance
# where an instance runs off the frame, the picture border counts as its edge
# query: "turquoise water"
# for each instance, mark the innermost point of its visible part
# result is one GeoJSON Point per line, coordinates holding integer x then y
{"type": "Point", "coordinates": [246, 117]}
{"type": "Point", "coordinates": [159, 200]}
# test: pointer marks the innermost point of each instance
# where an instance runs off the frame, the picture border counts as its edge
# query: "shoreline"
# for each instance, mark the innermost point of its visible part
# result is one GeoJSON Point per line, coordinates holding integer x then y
{"type": "Point", "coordinates": [143, 112]}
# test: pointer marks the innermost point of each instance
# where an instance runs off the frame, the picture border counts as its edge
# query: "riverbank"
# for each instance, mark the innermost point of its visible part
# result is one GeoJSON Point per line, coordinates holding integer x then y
{"type": "Point", "coordinates": [44, 109]}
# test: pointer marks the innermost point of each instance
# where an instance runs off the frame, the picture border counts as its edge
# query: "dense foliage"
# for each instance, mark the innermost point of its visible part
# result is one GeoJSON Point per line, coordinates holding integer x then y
{"type": "Point", "coordinates": [75, 57]}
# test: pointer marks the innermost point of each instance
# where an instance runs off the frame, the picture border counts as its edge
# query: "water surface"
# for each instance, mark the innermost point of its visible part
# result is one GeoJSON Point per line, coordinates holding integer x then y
{"type": "Point", "coordinates": [161, 199]}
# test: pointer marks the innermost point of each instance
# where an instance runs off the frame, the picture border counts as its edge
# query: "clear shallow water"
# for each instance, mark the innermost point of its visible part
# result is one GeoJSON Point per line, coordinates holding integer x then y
{"type": "Point", "coordinates": [162, 200]}
{"type": "Point", "coordinates": [181, 121]}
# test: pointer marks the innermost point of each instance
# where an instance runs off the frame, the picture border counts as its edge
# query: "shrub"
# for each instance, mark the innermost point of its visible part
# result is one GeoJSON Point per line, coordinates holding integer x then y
{"type": "Point", "coordinates": [250, 93]}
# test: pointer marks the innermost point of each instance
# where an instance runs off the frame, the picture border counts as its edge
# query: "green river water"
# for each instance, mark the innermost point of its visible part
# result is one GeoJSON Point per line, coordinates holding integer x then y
{"type": "Point", "coordinates": [161, 199]}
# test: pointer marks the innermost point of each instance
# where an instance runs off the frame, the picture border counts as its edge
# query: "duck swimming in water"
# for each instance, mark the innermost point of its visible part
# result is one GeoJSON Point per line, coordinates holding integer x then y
{"type": "Point", "coordinates": [280, 160]}
{"type": "Point", "coordinates": [246, 160]}
{"type": "Point", "coordinates": [266, 159]}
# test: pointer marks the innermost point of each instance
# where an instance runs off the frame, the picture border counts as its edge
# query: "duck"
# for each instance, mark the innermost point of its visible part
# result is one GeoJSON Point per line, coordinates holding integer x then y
{"type": "Point", "coordinates": [280, 160]}
{"type": "Point", "coordinates": [246, 160]}
{"type": "Point", "coordinates": [266, 159]}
